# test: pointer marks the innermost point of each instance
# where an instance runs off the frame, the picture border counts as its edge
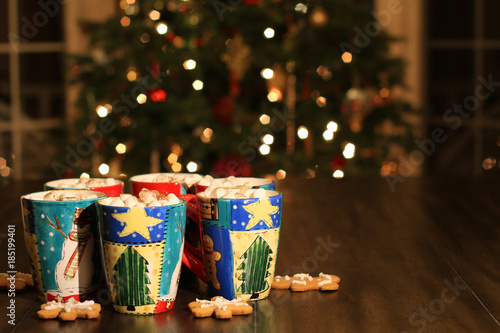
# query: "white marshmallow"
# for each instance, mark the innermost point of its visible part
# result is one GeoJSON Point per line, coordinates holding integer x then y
{"type": "Point", "coordinates": [195, 177]}
{"type": "Point", "coordinates": [227, 183]}
{"type": "Point", "coordinates": [69, 196]}
{"type": "Point", "coordinates": [52, 196]}
{"type": "Point", "coordinates": [93, 183]}
{"type": "Point", "coordinates": [177, 178]}
{"type": "Point", "coordinates": [140, 205]}
{"type": "Point", "coordinates": [204, 182]}
{"type": "Point", "coordinates": [109, 181]}
{"type": "Point", "coordinates": [219, 192]}
{"type": "Point", "coordinates": [106, 201]}
{"type": "Point", "coordinates": [208, 191]}
{"type": "Point", "coordinates": [229, 195]}
{"type": "Point", "coordinates": [245, 192]}
{"type": "Point", "coordinates": [154, 203]}
{"type": "Point", "coordinates": [258, 193]}
{"type": "Point", "coordinates": [146, 195]}
{"type": "Point", "coordinates": [171, 197]}
{"type": "Point", "coordinates": [125, 196]}
{"type": "Point", "coordinates": [116, 202]}
{"type": "Point", "coordinates": [217, 183]}
{"type": "Point", "coordinates": [173, 200]}
{"type": "Point", "coordinates": [62, 185]}
{"type": "Point", "coordinates": [130, 201]}
{"type": "Point", "coordinates": [162, 178]}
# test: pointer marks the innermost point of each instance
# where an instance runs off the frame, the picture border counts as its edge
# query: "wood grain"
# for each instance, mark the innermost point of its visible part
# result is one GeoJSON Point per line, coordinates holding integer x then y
{"type": "Point", "coordinates": [423, 258]}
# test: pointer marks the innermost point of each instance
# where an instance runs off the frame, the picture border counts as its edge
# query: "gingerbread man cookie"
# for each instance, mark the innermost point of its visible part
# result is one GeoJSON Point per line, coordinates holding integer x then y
{"type": "Point", "coordinates": [20, 281]}
{"type": "Point", "coordinates": [209, 259]}
{"type": "Point", "coordinates": [70, 310]}
{"type": "Point", "coordinates": [221, 307]}
{"type": "Point", "coordinates": [305, 282]}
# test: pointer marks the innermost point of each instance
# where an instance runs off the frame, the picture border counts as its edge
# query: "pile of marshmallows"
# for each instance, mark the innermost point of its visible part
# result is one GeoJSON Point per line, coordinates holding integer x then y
{"type": "Point", "coordinates": [189, 179]}
{"type": "Point", "coordinates": [230, 181]}
{"type": "Point", "coordinates": [85, 183]}
{"type": "Point", "coordinates": [67, 195]}
{"type": "Point", "coordinates": [233, 193]}
{"type": "Point", "coordinates": [228, 188]}
{"type": "Point", "coordinates": [146, 198]}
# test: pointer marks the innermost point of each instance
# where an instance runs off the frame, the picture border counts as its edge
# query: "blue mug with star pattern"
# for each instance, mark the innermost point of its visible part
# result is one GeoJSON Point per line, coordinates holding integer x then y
{"type": "Point", "coordinates": [142, 250]}
{"type": "Point", "coordinates": [240, 238]}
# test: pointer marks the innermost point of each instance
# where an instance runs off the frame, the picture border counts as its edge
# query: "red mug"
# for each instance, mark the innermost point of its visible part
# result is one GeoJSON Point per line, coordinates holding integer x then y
{"type": "Point", "coordinates": [182, 189]}
{"type": "Point", "coordinates": [165, 183]}
{"type": "Point", "coordinates": [100, 185]}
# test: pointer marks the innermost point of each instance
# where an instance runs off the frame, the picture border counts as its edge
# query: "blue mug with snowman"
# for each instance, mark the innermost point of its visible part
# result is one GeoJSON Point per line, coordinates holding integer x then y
{"type": "Point", "coordinates": [61, 233]}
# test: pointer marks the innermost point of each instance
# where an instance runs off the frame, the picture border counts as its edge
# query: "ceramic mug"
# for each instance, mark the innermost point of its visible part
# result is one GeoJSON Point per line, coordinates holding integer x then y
{"type": "Point", "coordinates": [152, 181]}
{"type": "Point", "coordinates": [239, 240]}
{"type": "Point", "coordinates": [61, 239]}
{"type": "Point", "coordinates": [142, 252]}
{"type": "Point", "coordinates": [182, 189]}
{"type": "Point", "coordinates": [101, 185]}
{"type": "Point", "coordinates": [193, 239]}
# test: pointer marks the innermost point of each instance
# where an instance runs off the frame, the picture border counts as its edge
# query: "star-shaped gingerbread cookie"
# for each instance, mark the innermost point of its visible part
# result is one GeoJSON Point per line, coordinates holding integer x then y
{"type": "Point", "coordinates": [221, 307]}
{"type": "Point", "coordinates": [305, 282]}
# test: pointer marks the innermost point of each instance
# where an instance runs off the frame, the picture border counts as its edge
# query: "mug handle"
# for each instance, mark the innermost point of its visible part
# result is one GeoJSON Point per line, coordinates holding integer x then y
{"type": "Point", "coordinates": [192, 258]}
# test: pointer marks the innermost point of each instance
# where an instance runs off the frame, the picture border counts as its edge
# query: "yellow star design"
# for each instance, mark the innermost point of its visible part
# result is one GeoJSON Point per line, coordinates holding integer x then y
{"type": "Point", "coordinates": [261, 211]}
{"type": "Point", "coordinates": [59, 298]}
{"type": "Point", "coordinates": [137, 221]}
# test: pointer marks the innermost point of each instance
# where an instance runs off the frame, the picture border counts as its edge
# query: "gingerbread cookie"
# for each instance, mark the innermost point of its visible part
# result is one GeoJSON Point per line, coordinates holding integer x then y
{"type": "Point", "coordinates": [222, 308]}
{"type": "Point", "coordinates": [210, 257]}
{"type": "Point", "coordinates": [22, 281]}
{"type": "Point", "coordinates": [305, 282]}
{"type": "Point", "coordinates": [70, 310]}
{"type": "Point", "coordinates": [28, 278]}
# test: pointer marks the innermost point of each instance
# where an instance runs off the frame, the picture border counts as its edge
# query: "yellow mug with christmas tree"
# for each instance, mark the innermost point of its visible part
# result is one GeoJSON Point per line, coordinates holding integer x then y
{"type": "Point", "coordinates": [142, 250]}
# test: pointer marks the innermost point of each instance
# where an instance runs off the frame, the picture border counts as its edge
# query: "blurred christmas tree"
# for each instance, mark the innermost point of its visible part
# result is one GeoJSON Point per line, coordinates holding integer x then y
{"type": "Point", "coordinates": [241, 87]}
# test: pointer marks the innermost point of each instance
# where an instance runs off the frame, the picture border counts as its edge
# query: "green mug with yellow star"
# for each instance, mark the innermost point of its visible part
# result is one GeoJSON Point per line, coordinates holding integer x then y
{"type": "Point", "coordinates": [142, 250]}
{"type": "Point", "coordinates": [239, 236]}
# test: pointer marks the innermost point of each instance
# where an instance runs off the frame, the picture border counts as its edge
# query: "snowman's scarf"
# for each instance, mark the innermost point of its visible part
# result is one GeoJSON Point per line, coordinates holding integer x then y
{"type": "Point", "coordinates": [74, 262]}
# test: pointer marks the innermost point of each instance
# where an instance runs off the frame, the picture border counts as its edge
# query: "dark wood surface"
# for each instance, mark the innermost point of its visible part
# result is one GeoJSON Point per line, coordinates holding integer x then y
{"type": "Point", "coordinates": [422, 258]}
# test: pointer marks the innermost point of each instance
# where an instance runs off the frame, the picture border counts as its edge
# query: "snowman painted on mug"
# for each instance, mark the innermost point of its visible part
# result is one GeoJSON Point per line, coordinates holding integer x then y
{"type": "Point", "coordinates": [60, 229]}
{"type": "Point", "coordinates": [76, 252]}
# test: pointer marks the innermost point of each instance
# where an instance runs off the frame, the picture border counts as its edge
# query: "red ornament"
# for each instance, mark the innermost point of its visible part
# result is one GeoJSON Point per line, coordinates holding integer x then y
{"type": "Point", "coordinates": [157, 95]}
{"type": "Point", "coordinates": [252, 2]}
{"type": "Point", "coordinates": [171, 36]}
{"type": "Point", "coordinates": [338, 162]}
{"type": "Point", "coordinates": [155, 69]}
{"type": "Point", "coordinates": [223, 110]}
{"type": "Point", "coordinates": [232, 165]}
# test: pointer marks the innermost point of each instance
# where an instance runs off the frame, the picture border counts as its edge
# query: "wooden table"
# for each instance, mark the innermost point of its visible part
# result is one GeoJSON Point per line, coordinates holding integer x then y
{"type": "Point", "coordinates": [422, 258]}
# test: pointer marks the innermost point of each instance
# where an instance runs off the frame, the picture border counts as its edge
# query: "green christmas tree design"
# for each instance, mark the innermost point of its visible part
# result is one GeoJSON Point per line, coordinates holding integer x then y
{"type": "Point", "coordinates": [255, 267]}
{"type": "Point", "coordinates": [130, 279]}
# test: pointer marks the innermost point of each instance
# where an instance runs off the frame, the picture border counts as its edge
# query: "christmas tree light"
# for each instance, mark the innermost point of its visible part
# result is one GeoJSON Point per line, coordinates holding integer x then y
{"type": "Point", "coordinates": [176, 73]}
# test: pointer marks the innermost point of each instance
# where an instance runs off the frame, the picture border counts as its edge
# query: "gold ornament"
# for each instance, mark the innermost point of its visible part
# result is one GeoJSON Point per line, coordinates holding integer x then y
{"type": "Point", "coordinates": [238, 57]}
{"type": "Point", "coordinates": [318, 17]}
